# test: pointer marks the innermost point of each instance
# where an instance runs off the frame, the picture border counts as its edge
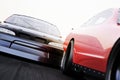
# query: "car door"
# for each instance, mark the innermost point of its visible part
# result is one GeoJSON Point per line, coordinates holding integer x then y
{"type": "Point", "coordinates": [94, 40]}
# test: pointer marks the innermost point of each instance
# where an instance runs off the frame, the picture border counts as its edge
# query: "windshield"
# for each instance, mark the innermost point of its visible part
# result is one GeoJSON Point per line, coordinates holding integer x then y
{"type": "Point", "coordinates": [33, 24]}
{"type": "Point", "coordinates": [100, 18]}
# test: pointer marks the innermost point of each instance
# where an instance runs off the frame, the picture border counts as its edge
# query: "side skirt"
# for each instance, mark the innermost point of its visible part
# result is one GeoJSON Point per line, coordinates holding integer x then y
{"type": "Point", "coordinates": [87, 71]}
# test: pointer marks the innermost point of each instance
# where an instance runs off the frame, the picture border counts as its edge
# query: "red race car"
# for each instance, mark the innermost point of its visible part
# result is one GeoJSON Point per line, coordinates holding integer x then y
{"type": "Point", "coordinates": [94, 48]}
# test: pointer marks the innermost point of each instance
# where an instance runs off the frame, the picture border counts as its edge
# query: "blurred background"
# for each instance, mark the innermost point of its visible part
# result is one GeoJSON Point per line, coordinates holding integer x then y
{"type": "Point", "coordinates": [65, 14]}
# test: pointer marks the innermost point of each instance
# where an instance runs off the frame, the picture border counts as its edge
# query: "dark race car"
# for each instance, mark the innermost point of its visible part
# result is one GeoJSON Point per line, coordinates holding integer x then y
{"type": "Point", "coordinates": [31, 38]}
{"type": "Point", "coordinates": [94, 48]}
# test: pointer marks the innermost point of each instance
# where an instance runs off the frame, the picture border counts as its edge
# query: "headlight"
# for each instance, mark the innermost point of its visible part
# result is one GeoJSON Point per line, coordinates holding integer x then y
{"type": "Point", "coordinates": [4, 30]}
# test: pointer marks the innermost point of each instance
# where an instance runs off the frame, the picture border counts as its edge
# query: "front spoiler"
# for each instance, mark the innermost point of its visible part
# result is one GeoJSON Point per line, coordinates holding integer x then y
{"type": "Point", "coordinates": [14, 52]}
{"type": "Point", "coordinates": [30, 50]}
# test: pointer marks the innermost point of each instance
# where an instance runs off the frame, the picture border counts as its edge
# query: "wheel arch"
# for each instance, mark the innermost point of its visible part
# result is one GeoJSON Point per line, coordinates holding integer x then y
{"type": "Point", "coordinates": [114, 51]}
{"type": "Point", "coordinates": [72, 39]}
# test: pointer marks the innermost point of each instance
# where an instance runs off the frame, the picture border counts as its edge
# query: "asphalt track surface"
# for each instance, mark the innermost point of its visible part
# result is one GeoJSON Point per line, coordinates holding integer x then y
{"type": "Point", "coordinates": [15, 69]}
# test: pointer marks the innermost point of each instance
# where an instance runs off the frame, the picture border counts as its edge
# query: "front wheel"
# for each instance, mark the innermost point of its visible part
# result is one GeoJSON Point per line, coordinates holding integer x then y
{"type": "Point", "coordinates": [66, 64]}
{"type": "Point", "coordinates": [118, 72]}
{"type": "Point", "coordinates": [113, 71]}
{"type": "Point", "coordinates": [113, 67]}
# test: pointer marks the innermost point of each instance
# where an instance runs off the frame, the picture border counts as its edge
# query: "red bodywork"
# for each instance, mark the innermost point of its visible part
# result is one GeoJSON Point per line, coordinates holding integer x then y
{"type": "Point", "coordinates": [93, 44]}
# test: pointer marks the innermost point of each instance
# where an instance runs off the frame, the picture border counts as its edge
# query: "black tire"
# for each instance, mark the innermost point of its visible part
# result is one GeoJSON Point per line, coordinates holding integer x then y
{"type": "Point", "coordinates": [113, 66]}
{"type": "Point", "coordinates": [118, 71]}
{"type": "Point", "coordinates": [113, 70]}
{"type": "Point", "coordinates": [66, 64]}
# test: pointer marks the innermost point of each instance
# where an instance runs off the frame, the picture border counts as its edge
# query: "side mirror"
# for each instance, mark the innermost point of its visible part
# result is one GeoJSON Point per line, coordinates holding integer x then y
{"type": "Point", "coordinates": [118, 20]}
{"type": "Point", "coordinates": [72, 28]}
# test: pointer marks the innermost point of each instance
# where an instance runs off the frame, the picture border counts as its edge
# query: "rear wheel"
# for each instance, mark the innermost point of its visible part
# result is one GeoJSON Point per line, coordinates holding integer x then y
{"type": "Point", "coordinates": [67, 58]}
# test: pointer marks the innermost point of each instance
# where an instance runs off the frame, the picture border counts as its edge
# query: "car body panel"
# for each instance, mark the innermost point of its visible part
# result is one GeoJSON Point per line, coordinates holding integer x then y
{"type": "Point", "coordinates": [28, 49]}
{"type": "Point", "coordinates": [33, 32]}
{"type": "Point", "coordinates": [93, 44]}
{"type": "Point", "coordinates": [30, 38]}
{"type": "Point", "coordinates": [22, 24]}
